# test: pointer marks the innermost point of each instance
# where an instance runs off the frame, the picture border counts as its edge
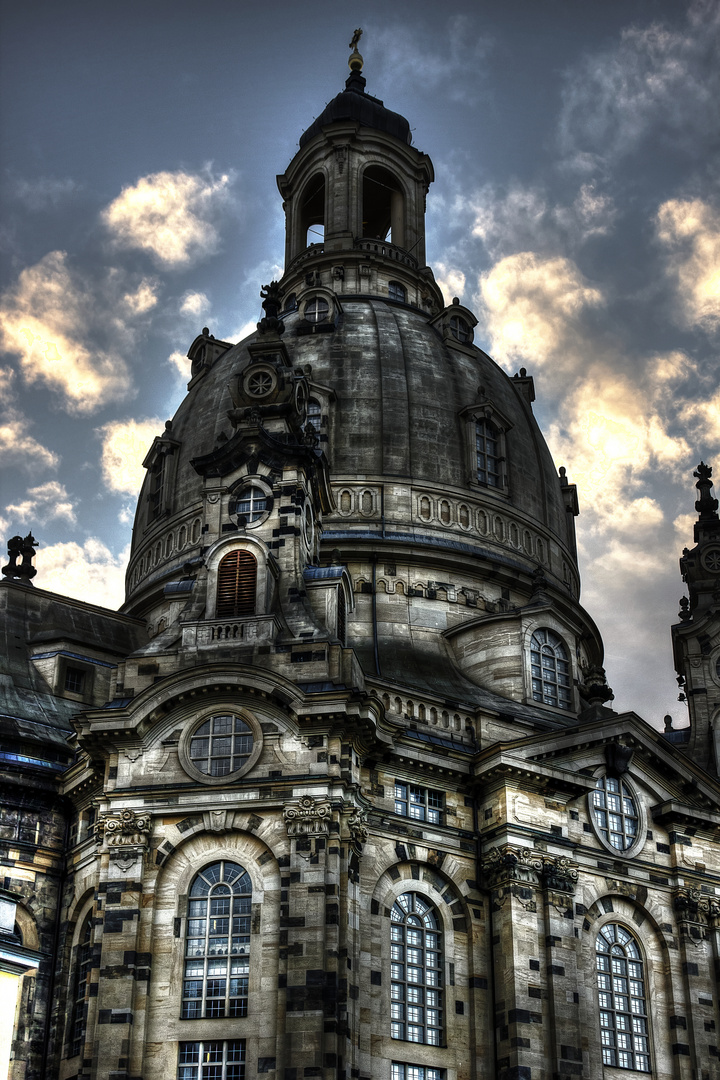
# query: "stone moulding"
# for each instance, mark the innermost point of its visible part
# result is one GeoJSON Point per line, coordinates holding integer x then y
{"type": "Point", "coordinates": [307, 817]}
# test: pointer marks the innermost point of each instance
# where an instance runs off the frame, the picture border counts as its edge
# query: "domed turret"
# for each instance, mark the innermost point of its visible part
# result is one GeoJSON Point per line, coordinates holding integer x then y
{"type": "Point", "coordinates": [362, 429]}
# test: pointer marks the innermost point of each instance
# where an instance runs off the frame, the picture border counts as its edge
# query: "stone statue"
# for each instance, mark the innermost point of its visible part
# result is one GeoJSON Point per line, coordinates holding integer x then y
{"type": "Point", "coordinates": [21, 547]}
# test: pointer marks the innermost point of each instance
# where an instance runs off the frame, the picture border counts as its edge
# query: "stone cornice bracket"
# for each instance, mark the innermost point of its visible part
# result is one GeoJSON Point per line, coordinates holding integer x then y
{"type": "Point", "coordinates": [307, 816]}
{"type": "Point", "coordinates": [696, 914]}
{"type": "Point", "coordinates": [126, 829]}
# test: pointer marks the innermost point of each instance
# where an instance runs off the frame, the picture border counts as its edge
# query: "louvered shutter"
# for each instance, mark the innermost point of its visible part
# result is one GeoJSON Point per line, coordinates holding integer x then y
{"type": "Point", "coordinates": [237, 576]}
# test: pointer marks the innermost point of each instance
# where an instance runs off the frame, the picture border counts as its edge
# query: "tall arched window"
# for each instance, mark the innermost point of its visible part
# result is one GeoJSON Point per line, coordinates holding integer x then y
{"type": "Point", "coordinates": [236, 585]}
{"type": "Point", "coordinates": [83, 964]}
{"type": "Point", "coordinates": [622, 1000]}
{"type": "Point", "coordinates": [487, 453]}
{"type": "Point", "coordinates": [217, 949]}
{"type": "Point", "coordinates": [415, 971]}
{"type": "Point", "coordinates": [550, 666]}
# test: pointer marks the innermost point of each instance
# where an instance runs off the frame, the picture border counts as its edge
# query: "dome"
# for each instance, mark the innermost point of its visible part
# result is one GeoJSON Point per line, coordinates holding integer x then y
{"type": "Point", "coordinates": [398, 398]}
{"type": "Point", "coordinates": [354, 104]}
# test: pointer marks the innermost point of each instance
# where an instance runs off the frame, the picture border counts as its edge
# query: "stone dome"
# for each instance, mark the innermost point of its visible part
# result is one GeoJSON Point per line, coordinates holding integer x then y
{"type": "Point", "coordinates": [355, 105]}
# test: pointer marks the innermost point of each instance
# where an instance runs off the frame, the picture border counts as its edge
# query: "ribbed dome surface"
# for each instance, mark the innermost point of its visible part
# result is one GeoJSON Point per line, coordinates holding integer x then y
{"type": "Point", "coordinates": [354, 104]}
{"type": "Point", "coordinates": [399, 394]}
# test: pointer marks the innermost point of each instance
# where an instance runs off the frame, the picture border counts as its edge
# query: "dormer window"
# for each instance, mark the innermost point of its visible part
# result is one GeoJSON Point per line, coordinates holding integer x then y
{"type": "Point", "coordinates": [396, 291]}
{"type": "Point", "coordinates": [317, 309]}
{"type": "Point", "coordinates": [550, 665]}
{"type": "Point", "coordinates": [460, 330]}
{"type": "Point", "coordinates": [74, 680]}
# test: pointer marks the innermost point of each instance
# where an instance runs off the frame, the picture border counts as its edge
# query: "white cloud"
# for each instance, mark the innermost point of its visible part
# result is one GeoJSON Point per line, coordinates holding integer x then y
{"type": "Point", "coordinates": [181, 362]}
{"type": "Point", "coordinates": [17, 445]}
{"type": "Point", "coordinates": [170, 215]}
{"type": "Point", "coordinates": [194, 303]}
{"type": "Point", "coordinates": [89, 572]}
{"type": "Point", "coordinates": [690, 230]}
{"type": "Point", "coordinates": [415, 58]}
{"type": "Point", "coordinates": [244, 331]}
{"type": "Point", "coordinates": [143, 299]}
{"type": "Point", "coordinates": [523, 217]}
{"type": "Point", "coordinates": [43, 503]}
{"type": "Point", "coordinates": [654, 80]}
{"type": "Point", "coordinates": [531, 305]}
{"type": "Point", "coordinates": [47, 319]}
{"type": "Point", "coordinates": [450, 280]}
{"type": "Point", "coordinates": [125, 444]}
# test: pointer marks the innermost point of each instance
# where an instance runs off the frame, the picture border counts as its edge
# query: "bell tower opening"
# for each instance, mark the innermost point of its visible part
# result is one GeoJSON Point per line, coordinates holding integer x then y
{"type": "Point", "coordinates": [383, 206]}
{"type": "Point", "coordinates": [311, 218]}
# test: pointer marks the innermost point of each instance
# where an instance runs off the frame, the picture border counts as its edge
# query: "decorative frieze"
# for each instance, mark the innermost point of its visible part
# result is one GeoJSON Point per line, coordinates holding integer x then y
{"type": "Point", "coordinates": [509, 864]}
{"type": "Point", "coordinates": [126, 829]}
{"type": "Point", "coordinates": [696, 913]}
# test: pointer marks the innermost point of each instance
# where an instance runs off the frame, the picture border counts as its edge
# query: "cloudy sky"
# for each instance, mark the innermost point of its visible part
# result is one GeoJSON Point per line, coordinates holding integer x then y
{"type": "Point", "coordinates": [576, 211]}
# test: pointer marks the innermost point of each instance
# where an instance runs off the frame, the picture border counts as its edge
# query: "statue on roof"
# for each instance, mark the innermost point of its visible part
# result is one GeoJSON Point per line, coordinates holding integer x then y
{"type": "Point", "coordinates": [20, 547]}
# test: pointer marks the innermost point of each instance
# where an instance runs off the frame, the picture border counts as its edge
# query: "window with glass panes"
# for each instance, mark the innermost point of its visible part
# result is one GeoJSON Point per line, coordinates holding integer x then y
{"type": "Point", "coordinates": [217, 949]}
{"type": "Point", "coordinates": [550, 666]}
{"type": "Point", "coordinates": [252, 503]}
{"type": "Point", "coordinates": [221, 745]}
{"type": "Point", "coordinates": [83, 964]}
{"type": "Point", "coordinates": [401, 1071]}
{"type": "Point", "coordinates": [415, 971]}
{"type": "Point", "coordinates": [615, 812]}
{"type": "Point", "coordinates": [212, 1060]}
{"type": "Point", "coordinates": [317, 310]}
{"type": "Point", "coordinates": [420, 803]}
{"type": "Point", "coordinates": [622, 1000]}
{"type": "Point", "coordinates": [396, 291]}
{"type": "Point", "coordinates": [487, 453]}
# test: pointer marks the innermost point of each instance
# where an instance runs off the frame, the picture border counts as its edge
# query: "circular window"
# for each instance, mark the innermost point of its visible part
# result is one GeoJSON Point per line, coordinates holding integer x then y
{"type": "Point", "coordinates": [711, 560]}
{"type": "Point", "coordinates": [259, 384]}
{"type": "Point", "coordinates": [224, 744]}
{"type": "Point", "coordinates": [615, 813]}
{"type": "Point", "coordinates": [253, 504]}
{"type": "Point", "coordinates": [460, 330]}
{"type": "Point", "coordinates": [317, 309]}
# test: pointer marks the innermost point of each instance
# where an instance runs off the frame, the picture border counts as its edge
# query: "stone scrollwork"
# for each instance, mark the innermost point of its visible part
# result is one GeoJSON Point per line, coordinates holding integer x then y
{"type": "Point", "coordinates": [126, 829]}
{"type": "Point", "coordinates": [307, 817]}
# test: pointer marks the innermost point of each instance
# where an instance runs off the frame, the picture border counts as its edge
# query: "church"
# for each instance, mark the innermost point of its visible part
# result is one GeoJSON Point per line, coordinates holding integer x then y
{"type": "Point", "coordinates": [339, 792]}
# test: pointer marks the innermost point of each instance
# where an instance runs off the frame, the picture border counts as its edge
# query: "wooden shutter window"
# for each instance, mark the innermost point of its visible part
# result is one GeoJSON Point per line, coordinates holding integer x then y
{"type": "Point", "coordinates": [236, 586]}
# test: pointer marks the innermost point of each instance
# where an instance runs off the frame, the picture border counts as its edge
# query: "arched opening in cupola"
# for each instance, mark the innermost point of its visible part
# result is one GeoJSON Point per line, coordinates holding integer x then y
{"type": "Point", "coordinates": [383, 206]}
{"type": "Point", "coordinates": [311, 216]}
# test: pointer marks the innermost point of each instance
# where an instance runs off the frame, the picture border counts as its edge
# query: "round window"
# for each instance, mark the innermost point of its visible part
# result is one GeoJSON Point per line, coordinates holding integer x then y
{"type": "Point", "coordinates": [221, 745]}
{"type": "Point", "coordinates": [308, 526]}
{"type": "Point", "coordinates": [317, 309]}
{"type": "Point", "coordinates": [259, 384]}
{"type": "Point", "coordinates": [615, 813]}
{"type": "Point", "coordinates": [252, 504]}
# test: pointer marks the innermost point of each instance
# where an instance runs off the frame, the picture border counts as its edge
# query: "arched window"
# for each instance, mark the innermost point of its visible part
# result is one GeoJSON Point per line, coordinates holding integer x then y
{"type": "Point", "coordinates": [236, 585]}
{"type": "Point", "coordinates": [415, 971]}
{"type": "Point", "coordinates": [217, 949]}
{"type": "Point", "coordinates": [311, 214]}
{"type": "Point", "coordinates": [460, 330]}
{"type": "Point", "coordinates": [317, 309]}
{"type": "Point", "coordinates": [314, 412]}
{"type": "Point", "coordinates": [550, 669]}
{"type": "Point", "coordinates": [487, 452]}
{"type": "Point", "coordinates": [615, 813]}
{"type": "Point", "coordinates": [622, 1000]}
{"type": "Point", "coordinates": [83, 964]}
{"type": "Point", "coordinates": [396, 291]}
{"type": "Point", "coordinates": [156, 496]}
{"type": "Point", "coordinates": [383, 206]}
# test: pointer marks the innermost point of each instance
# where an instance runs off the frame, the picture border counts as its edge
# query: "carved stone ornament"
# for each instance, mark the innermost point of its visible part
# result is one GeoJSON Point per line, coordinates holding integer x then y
{"type": "Point", "coordinates": [307, 817]}
{"type": "Point", "coordinates": [357, 824]}
{"type": "Point", "coordinates": [126, 829]}
{"type": "Point", "coordinates": [617, 759]}
{"type": "Point", "coordinates": [696, 913]}
{"type": "Point", "coordinates": [525, 866]}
